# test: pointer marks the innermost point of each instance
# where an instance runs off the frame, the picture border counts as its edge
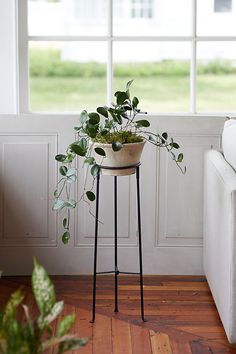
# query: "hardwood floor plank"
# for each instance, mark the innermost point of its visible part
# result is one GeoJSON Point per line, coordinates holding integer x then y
{"type": "Point", "coordinates": [180, 346]}
{"type": "Point", "coordinates": [160, 343]}
{"type": "Point", "coordinates": [140, 340]}
{"type": "Point", "coordinates": [121, 337]}
{"type": "Point", "coordinates": [195, 287]}
{"type": "Point", "coordinates": [84, 329]}
{"type": "Point", "coordinates": [102, 335]}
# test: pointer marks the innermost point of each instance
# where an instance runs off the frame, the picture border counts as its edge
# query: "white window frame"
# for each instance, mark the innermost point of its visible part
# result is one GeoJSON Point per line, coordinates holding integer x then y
{"type": "Point", "coordinates": [110, 38]}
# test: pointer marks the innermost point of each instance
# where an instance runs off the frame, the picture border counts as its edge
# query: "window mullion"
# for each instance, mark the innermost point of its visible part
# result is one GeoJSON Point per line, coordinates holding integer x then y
{"type": "Point", "coordinates": [110, 52]}
{"type": "Point", "coordinates": [23, 84]}
{"type": "Point", "coordinates": [193, 67]}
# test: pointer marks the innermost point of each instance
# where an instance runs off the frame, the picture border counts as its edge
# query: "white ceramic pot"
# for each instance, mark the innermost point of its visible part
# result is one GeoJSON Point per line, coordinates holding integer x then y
{"type": "Point", "coordinates": [129, 155]}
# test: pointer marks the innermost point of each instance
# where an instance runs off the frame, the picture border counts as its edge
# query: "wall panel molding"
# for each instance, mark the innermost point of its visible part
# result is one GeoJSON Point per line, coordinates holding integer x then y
{"type": "Point", "coordinates": [180, 198]}
{"type": "Point", "coordinates": [28, 178]}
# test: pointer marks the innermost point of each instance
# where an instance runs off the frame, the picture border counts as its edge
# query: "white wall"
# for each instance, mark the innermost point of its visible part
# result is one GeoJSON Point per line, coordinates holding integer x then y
{"type": "Point", "coordinates": [7, 57]}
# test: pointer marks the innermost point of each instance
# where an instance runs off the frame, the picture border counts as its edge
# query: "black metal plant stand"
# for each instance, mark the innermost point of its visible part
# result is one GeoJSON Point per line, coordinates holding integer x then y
{"type": "Point", "coordinates": [116, 270]}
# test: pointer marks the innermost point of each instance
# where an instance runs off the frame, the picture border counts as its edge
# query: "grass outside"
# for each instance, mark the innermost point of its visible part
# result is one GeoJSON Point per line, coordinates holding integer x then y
{"type": "Point", "coordinates": [216, 93]}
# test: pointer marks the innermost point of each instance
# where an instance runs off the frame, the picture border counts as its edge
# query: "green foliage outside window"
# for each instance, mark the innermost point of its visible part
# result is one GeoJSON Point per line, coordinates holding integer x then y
{"type": "Point", "coordinates": [47, 63]}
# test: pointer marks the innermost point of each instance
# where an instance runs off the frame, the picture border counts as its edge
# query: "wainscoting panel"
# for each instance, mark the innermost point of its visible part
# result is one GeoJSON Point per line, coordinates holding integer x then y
{"type": "Point", "coordinates": [180, 201]}
{"type": "Point", "coordinates": [27, 178]}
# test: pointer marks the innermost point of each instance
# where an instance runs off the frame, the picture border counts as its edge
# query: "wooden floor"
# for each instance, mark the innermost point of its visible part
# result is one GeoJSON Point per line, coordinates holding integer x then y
{"type": "Point", "coordinates": [180, 312]}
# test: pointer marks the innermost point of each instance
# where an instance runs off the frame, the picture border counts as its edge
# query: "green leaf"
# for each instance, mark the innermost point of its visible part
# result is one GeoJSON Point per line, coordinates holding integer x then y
{"type": "Point", "coordinates": [15, 300]}
{"type": "Point", "coordinates": [94, 118]}
{"type": "Point", "coordinates": [175, 145]}
{"type": "Point", "coordinates": [70, 203]}
{"type": "Point", "coordinates": [70, 157]}
{"type": "Point", "coordinates": [78, 128]}
{"type": "Point", "coordinates": [63, 170]}
{"type": "Point", "coordinates": [104, 132]}
{"type": "Point", "coordinates": [83, 116]}
{"type": "Point", "coordinates": [180, 157]}
{"type": "Point", "coordinates": [92, 130]}
{"type": "Point", "coordinates": [142, 123]}
{"type": "Point", "coordinates": [56, 310]}
{"type": "Point", "coordinates": [165, 135]}
{"type": "Point", "coordinates": [71, 179]}
{"type": "Point", "coordinates": [89, 160]}
{"type": "Point", "coordinates": [100, 151]}
{"type": "Point", "coordinates": [65, 325]}
{"type": "Point", "coordinates": [152, 138]}
{"type": "Point", "coordinates": [103, 111]}
{"type": "Point", "coordinates": [95, 170]}
{"type": "Point", "coordinates": [65, 237]}
{"type": "Point", "coordinates": [58, 205]}
{"type": "Point", "coordinates": [128, 108]}
{"type": "Point", "coordinates": [117, 117]}
{"type": "Point", "coordinates": [64, 222]}
{"type": "Point", "coordinates": [135, 102]}
{"type": "Point", "coordinates": [117, 93]}
{"type": "Point", "coordinates": [71, 344]}
{"type": "Point", "coordinates": [108, 124]}
{"type": "Point", "coordinates": [3, 344]}
{"type": "Point", "coordinates": [78, 150]}
{"type": "Point", "coordinates": [91, 196]}
{"type": "Point", "coordinates": [117, 146]}
{"type": "Point", "coordinates": [83, 143]}
{"type": "Point", "coordinates": [121, 97]}
{"type": "Point", "coordinates": [129, 83]}
{"type": "Point", "coordinates": [71, 172]}
{"type": "Point", "coordinates": [60, 157]}
{"type": "Point", "coordinates": [43, 289]}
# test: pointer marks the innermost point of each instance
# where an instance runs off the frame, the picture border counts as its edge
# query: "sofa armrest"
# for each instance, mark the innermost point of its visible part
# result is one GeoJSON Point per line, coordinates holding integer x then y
{"type": "Point", "coordinates": [219, 251]}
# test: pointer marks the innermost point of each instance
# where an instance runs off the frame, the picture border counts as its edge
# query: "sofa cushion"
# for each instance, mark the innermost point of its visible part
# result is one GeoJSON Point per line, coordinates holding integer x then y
{"type": "Point", "coordinates": [229, 142]}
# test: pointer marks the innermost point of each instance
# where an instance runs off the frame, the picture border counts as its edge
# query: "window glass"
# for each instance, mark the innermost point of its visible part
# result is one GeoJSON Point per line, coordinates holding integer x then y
{"type": "Point", "coordinates": [215, 19]}
{"type": "Point", "coordinates": [216, 77]}
{"type": "Point", "coordinates": [152, 17]}
{"type": "Point", "coordinates": [160, 71]}
{"type": "Point", "coordinates": [142, 9]}
{"type": "Point", "coordinates": [71, 75]}
{"type": "Point", "coordinates": [67, 76]}
{"type": "Point", "coordinates": [68, 17]}
{"type": "Point", "coordinates": [223, 5]}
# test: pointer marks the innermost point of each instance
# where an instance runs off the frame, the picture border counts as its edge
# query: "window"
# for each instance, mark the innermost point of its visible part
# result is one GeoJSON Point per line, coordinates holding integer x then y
{"type": "Point", "coordinates": [223, 5]}
{"type": "Point", "coordinates": [181, 54]}
{"type": "Point", "coordinates": [142, 9]}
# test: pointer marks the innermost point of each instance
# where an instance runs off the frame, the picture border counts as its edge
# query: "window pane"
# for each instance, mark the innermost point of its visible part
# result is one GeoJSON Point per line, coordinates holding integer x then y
{"type": "Point", "coordinates": [216, 18]}
{"type": "Point", "coordinates": [67, 76]}
{"type": "Point", "coordinates": [216, 77]}
{"type": "Point", "coordinates": [160, 72]}
{"type": "Point", "coordinates": [222, 5]}
{"type": "Point", "coordinates": [68, 17]}
{"type": "Point", "coordinates": [152, 17]}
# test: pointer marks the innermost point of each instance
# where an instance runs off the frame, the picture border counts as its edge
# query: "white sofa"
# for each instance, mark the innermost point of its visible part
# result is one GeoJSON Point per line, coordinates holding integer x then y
{"type": "Point", "coordinates": [220, 228]}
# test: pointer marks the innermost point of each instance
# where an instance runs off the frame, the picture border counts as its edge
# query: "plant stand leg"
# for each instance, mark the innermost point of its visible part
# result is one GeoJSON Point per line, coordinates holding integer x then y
{"type": "Point", "coordinates": [116, 258]}
{"type": "Point", "coordinates": [140, 244]}
{"type": "Point", "coordinates": [95, 249]}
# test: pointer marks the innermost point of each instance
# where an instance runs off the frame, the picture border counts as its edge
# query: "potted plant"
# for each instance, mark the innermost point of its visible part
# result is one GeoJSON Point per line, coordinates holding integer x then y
{"type": "Point", "coordinates": [31, 335]}
{"type": "Point", "coordinates": [112, 136]}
